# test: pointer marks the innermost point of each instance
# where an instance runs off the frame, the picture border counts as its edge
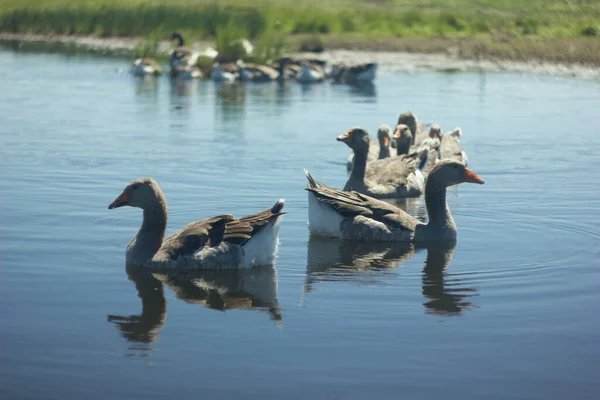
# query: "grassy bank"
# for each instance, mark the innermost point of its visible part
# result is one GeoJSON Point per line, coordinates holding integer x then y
{"type": "Point", "coordinates": [478, 26]}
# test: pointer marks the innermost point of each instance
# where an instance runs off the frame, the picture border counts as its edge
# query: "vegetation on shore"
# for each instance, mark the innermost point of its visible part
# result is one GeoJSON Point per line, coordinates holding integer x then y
{"type": "Point", "coordinates": [478, 26]}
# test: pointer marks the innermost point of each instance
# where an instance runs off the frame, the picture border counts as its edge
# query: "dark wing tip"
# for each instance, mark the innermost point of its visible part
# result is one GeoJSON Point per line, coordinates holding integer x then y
{"type": "Point", "coordinates": [276, 209]}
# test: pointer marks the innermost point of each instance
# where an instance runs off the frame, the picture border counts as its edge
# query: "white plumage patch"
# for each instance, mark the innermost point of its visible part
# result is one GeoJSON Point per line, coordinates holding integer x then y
{"type": "Point", "coordinates": [262, 248]}
{"type": "Point", "coordinates": [322, 219]}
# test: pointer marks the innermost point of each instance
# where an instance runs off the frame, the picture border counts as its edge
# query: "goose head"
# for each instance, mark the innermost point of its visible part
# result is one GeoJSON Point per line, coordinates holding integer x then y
{"type": "Point", "coordinates": [448, 173]}
{"type": "Point", "coordinates": [403, 138]}
{"type": "Point", "coordinates": [409, 119]}
{"type": "Point", "coordinates": [384, 135]}
{"type": "Point", "coordinates": [356, 138]}
{"type": "Point", "coordinates": [435, 131]}
{"type": "Point", "coordinates": [140, 193]}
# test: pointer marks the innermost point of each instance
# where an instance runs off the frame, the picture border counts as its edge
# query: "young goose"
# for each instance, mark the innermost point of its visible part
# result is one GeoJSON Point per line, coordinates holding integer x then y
{"type": "Point", "coordinates": [388, 178]}
{"type": "Point", "coordinates": [355, 216]}
{"type": "Point", "coordinates": [146, 67]}
{"type": "Point", "coordinates": [221, 241]}
{"type": "Point", "coordinates": [378, 149]}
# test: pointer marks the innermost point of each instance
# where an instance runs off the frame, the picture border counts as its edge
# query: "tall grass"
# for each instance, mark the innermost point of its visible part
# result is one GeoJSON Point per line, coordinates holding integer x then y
{"type": "Point", "coordinates": [206, 18]}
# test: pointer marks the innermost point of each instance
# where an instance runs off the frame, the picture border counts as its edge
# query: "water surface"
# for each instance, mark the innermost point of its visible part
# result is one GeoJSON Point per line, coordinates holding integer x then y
{"type": "Point", "coordinates": [510, 311]}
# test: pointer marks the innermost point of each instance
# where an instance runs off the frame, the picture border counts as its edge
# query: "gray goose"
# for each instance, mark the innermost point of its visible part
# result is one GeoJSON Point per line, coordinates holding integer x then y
{"type": "Point", "coordinates": [222, 241]}
{"type": "Point", "coordinates": [378, 149]}
{"type": "Point", "coordinates": [387, 178]}
{"type": "Point", "coordinates": [355, 216]}
{"type": "Point", "coordinates": [419, 131]}
{"type": "Point", "coordinates": [450, 148]}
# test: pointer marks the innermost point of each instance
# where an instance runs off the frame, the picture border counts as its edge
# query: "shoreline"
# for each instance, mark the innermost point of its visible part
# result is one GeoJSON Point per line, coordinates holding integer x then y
{"type": "Point", "coordinates": [399, 56]}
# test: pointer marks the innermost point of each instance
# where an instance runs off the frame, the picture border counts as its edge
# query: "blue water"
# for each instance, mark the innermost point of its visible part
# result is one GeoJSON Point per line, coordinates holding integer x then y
{"type": "Point", "coordinates": [510, 312]}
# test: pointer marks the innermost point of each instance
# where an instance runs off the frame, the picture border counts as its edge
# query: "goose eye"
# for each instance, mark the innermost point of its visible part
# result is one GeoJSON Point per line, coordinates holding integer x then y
{"type": "Point", "coordinates": [134, 187]}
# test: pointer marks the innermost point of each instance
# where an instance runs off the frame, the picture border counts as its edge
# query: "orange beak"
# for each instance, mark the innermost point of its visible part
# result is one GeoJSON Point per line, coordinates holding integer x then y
{"type": "Point", "coordinates": [472, 177]}
{"type": "Point", "coordinates": [397, 134]}
{"type": "Point", "coordinates": [386, 140]}
{"type": "Point", "coordinates": [119, 201]}
{"type": "Point", "coordinates": [345, 137]}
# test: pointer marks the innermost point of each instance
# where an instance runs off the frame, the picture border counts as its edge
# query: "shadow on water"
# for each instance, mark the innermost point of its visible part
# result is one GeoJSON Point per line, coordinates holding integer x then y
{"type": "Point", "coordinates": [335, 260]}
{"type": "Point", "coordinates": [242, 289]}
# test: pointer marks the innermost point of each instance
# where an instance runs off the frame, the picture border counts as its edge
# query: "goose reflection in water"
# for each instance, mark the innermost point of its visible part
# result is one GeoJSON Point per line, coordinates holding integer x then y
{"type": "Point", "coordinates": [252, 289]}
{"type": "Point", "coordinates": [343, 260]}
{"type": "Point", "coordinates": [445, 295]}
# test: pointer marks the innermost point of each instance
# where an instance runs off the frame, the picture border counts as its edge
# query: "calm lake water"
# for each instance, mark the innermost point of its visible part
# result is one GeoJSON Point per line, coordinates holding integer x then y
{"type": "Point", "coordinates": [510, 312]}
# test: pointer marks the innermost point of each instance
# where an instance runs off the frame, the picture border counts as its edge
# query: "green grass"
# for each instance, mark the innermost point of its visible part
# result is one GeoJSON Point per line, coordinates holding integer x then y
{"type": "Point", "coordinates": [204, 18]}
{"type": "Point", "coordinates": [266, 22]}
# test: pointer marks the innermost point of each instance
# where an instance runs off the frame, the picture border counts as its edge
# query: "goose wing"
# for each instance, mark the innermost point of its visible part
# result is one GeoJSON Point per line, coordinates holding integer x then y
{"type": "Point", "coordinates": [352, 204]}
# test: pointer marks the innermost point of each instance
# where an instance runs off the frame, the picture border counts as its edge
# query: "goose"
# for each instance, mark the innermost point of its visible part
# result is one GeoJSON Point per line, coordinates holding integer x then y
{"type": "Point", "coordinates": [218, 74]}
{"type": "Point", "coordinates": [355, 216]}
{"type": "Point", "coordinates": [222, 241]}
{"type": "Point", "coordinates": [287, 67]}
{"type": "Point", "coordinates": [403, 137]}
{"type": "Point", "coordinates": [256, 72]}
{"type": "Point", "coordinates": [182, 61]}
{"type": "Point", "coordinates": [146, 67]}
{"type": "Point", "coordinates": [433, 139]}
{"type": "Point", "coordinates": [187, 71]}
{"type": "Point", "coordinates": [310, 73]}
{"type": "Point", "coordinates": [419, 131]}
{"type": "Point", "coordinates": [450, 148]}
{"type": "Point", "coordinates": [360, 73]}
{"type": "Point", "coordinates": [180, 51]}
{"type": "Point", "coordinates": [388, 178]}
{"type": "Point", "coordinates": [378, 149]}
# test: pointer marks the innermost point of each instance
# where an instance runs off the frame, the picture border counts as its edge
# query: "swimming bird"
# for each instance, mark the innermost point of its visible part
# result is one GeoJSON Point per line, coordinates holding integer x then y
{"type": "Point", "coordinates": [219, 74]}
{"type": "Point", "coordinates": [419, 131]}
{"type": "Point", "coordinates": [393, 177]}
{"type": "Point", "coordinates": [221, 242]}
{"type": "Point", "coordinates": [378, 149]}
{"type": "Point", "coordinates": [256, 72]}
{"type": "Point", "coordinates": [450, 148]}
{"type": "Point", "coordinates": [146, 67]}
{"type": "Point", "coordinates": [359, 73]}
{"type": "Point", "coordinates": [310, 73]}
{"type": "Point", "coordinates": [182, 61]}
{"type": "Point", "coordinates": [403, 137]}
{"type": "Point", "coordinates": [355, 216]}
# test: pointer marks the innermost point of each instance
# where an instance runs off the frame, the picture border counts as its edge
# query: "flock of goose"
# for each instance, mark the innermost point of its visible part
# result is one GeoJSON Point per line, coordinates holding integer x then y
{"type": "Point", "coordinates": [415, 159]}
{"type": "Point", "coordinates": [183, 64]}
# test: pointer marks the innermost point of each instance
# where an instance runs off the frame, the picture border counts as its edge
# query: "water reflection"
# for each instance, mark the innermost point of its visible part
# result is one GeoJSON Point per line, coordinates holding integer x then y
{"type": "Point", "coordinates": [146, 86]}
{"type": "Point", "coordinates": [331, 260]}
{"type": "Point", "coordinates": [446, 295]}
{"type": "Point", "coordinates": [366, 89]}
{"type": "Point", "coordinates": [143, 328]}
{"type": "Point", "coordinates": [231, 100]}
{"type": "Point", "coordinates": [182, 88]}
{"type": "Point", "coordinates": [344, 260]}
{"type": "Point", "coordinates": [245, 289]}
